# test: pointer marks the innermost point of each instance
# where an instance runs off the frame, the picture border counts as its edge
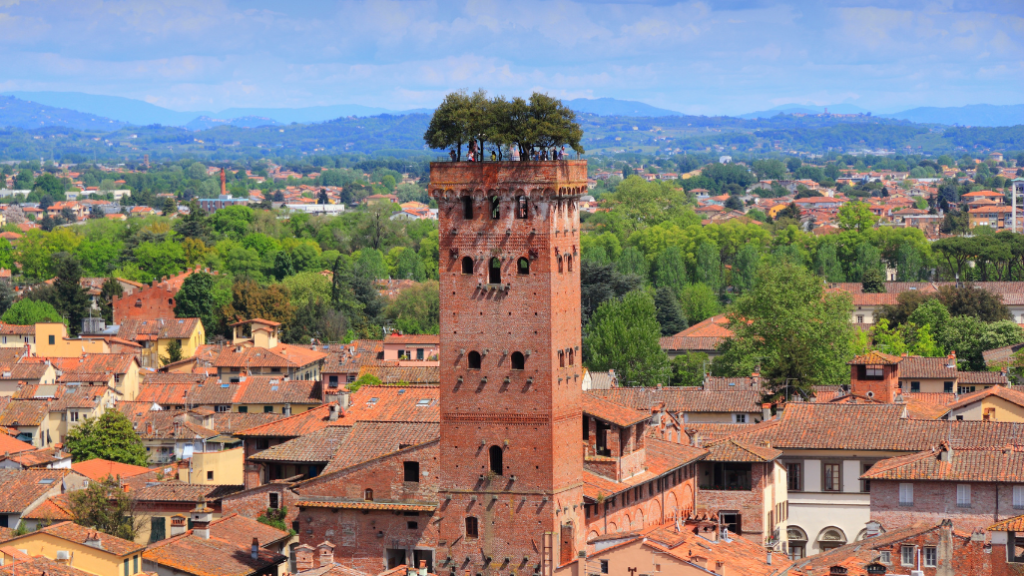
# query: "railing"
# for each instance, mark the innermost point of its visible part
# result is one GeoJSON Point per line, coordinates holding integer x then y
{"type": "Point", "coordinates": [505, 158]}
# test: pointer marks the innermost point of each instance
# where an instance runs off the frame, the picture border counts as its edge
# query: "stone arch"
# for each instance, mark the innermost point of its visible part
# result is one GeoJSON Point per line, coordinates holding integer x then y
{"type": "Point", "coordinates": [625, 523]}
{"type": "Point", "coordinates": [656, 512]}
{"type": "Point", "coordinates": [686, 502]}
{"type": "Point", "coordinates": [467, 265]}
{"type": "Point", "coordinates": [593, 534]}
{"type": "Point", "coordinates": [671, 505]}
{"type": "Point", "coordinates": [830, 537]}
{"type": "Point", "coordinates": [611, 528]}
{"type": "Point", "coordinates": [638, 519]}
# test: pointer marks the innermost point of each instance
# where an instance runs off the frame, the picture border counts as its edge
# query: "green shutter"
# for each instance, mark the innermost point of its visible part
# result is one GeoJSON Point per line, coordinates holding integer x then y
{"type": "Point", "coordinates": [157, 528]}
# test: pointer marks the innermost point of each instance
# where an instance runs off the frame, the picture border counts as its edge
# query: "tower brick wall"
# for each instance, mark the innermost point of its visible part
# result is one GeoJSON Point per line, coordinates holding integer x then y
{"type": "Point", "coordinates": [529, 517]}
{"type": "Point", "coordinates": [935, 501]}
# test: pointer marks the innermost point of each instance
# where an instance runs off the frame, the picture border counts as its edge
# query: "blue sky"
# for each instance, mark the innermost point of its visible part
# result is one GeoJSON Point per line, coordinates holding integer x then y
{"type": "Point", "coordinates": [697, 57]}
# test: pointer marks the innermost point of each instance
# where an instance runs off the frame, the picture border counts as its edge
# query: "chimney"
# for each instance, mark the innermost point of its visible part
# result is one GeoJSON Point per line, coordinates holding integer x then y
{"type": "Point", "coordinates": [944, 565]}
{"type": "Point", "coordinates": [223, 183]}
{"type": "Point", "coordinates": [178, 525]}
{"type": "Point", "coordinates": [423, 568]}
{"type": "Point", "coordinates": [945, 452]}
{"type": "Point", "coordinates": [255, 553]}
{"type": "Point", "coordinates": [303, 558]}
{"type": "Point", "coordinates": [326, 550]}
{"type": "Point", "coordinates": [694, 437]}
{"type": "Point", "coordinates": [873, 529]}
{"type": "Point", "coordinates": [287, 410]}
{"type": "Point", "coordinates": [951, 360]}
{"type": "Point", "coordinates": [93, 539]}
{"type": "Point", "coordinates": [334, 413]}
{"type": "Point", "coordinates": [201, 518]}
{"type": "Point", "coordinates": [768, 560]}
{"type": "Point", "coordinates": [766, 412]}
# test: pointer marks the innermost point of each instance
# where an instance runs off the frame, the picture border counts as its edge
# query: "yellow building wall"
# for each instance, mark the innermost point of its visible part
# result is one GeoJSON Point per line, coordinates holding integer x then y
{"type": "Point", "coordinates": [1003, 411]}
{"type": "Point", "coordinates": [146, 524]}
{"type": "Point", "coordinates": [129, 384]}
{"type": "Point", "coordinates": [85, 558]}
{"type": "Point", "coordinates": [62, 346]}
{"type": "Point", "coordinates": [227, 467]}
{"type": "Point", "coordinates": [189, 346]}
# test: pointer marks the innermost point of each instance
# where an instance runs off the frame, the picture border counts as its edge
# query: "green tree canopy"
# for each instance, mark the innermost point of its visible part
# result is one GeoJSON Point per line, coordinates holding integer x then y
{"type": "Point", "coordinates": [26, 311]}
{"type": "Point", "coordinates": [623, 335]}
{"type": "Point", "coordinates": [110, 437]}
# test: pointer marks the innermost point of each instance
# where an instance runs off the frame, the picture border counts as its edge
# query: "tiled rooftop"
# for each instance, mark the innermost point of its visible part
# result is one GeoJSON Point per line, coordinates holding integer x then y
{"type": "Point", "coordinates": [21, 488]}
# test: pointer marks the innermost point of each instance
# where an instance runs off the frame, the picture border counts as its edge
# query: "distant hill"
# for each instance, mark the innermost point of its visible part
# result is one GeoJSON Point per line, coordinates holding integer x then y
{"type": "Point", "coordinates": [805, 109]}
{"type": "Point", "coordinates": [18, 113]}
{"type": "Point", "coordinates": [205, 122]}
{"type": "Point", "coordinates": [144, 114]}
{"type": "Point", "coordinates": [613, 107]}
{"type": "Point", "coordinates": [973, 115]}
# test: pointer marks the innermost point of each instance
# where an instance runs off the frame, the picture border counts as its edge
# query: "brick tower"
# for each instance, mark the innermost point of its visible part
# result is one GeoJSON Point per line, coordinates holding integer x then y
{"type": "Point", "coordinates": [511, 457]}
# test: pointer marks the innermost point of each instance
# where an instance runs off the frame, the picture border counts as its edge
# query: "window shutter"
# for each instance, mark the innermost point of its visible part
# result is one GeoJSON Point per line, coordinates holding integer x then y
{"type": "Point", "coordinates": [1018, 496]}
{"type": "Point", "coordinates": [963, 494]}
{"type": "Point", "coordinates": [906, 493]}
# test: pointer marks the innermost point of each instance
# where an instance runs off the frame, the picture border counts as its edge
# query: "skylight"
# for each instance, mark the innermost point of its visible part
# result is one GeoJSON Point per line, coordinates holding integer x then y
{"type": "Point", "coordinates": [424, 402]}
{"type": "Point", "coordinates": [46, 481]}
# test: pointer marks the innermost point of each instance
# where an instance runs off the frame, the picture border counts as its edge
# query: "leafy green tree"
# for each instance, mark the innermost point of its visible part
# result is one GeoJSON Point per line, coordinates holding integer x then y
{"type": "Point", "coordinates": [708, 270]}
{"type": "Point", "coordinates": [24, 180]}
{"type": "Point", "coordinates": [111, 288]}
{"type": "Point", "coordinates": [744, 268]}
{"type": "Point", "coordinates": [623, 335]}
{"type": "Point", "coordinates": [166, 258]}
{"type": "Point", "coordinates": [308, 286]}
{"type": "Point", "coordinates": [670, 269]}
{"type": "Point", "coordinates": [856, 216]}
{"type": "Point", "coordinates": [930, 312]}
{"type": "Point", "coordinates": [409, 266]}
{"type": "Point", "coordinates": [195, 224]}
{"type": "Point", "coordinates": [283, 266]}
{"type": "Point", "coordinates": [110, 437]}
{"type": "Point", "coordinates": [416, 310]}
{"type": "Point", "coordinates": [699, 302]}
{"type": "Point", "coordinates": [71, 300]}
{"type": "Point", "coordinates": [51, 186]}
{"type": "Point", "coordinates": [26, 311]}
{"type": "Point", "coordinates": [793, 164]}
{"type": "Point", "coordinates": [632, 262]}
{"type": "Point", "coordinates": [364, 380]}
{"type": "Point", "coordinates": [449, 125]}
{"type": "Point", "coordinates": [770, 169]}
{"type": "Point", "coordinates": [7, 296]}
{"type": "Point", "coordinates": [371, 262]}
{"type": "Point", "coordinates": [250, 300]}
{"type": "Point", "coordinates": [908, 263]}
{"type": "Point", "coordinates": [670, 313]}
{"type": "Point", "coordinates": [800, 335]}
{"type": "Point", "coordinates": [315, 320]}
{"type": "Point", "coordinates": [873, 281]}
{"type": "Point", "coordinates": [969, 337]}
{"type": "Point", "coordinates": [197, 299]}
{"type": "Point", "coordinates": [233, 221]}
{"type": "Point", "coordinates": [107, 507]}
{"type": "Point", "coordinates": [972, 301]}
{"type": "Point", "coordinates": [173, 353]}
{"type": "Point", "coordinates": [826, 263]}
{"type": "Point", "coordinates": [688, 369]}
{"type": "Point", "coordinates": [601, 282]}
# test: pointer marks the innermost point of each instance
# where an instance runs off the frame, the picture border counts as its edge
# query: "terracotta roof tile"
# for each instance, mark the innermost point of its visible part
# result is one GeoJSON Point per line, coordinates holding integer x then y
{"type": "Point", "coordinates": [684, 399]}
{"type": "Point", "coordinates": [280, 356]}
{"type": "Point", "coordinates": [370, 440]}
{"type": "Point", "coordinates": [183, 492]}
{"type": "Point", "coordinates": [38, 566]}
{"type": "Point", "coordinates": [192, 554]}
{"type": "Point", "coordinates": [296, 425]}
{"type": "Point", "coordinates": [25, 413]}
{"type": "Point", "coordinates": [231, 422]}
{"type": "Point", "coordinates": [351, 357]}
{"type": "Point", "coordinates": [875, 358]}
{"type": "Point", "coordinates": [412, 339]}
{"type": "Point", "coordinates": [922, 367]}
{"type": "Point", "coordinates": [965, 465]}
{"type": "Point", "coordinates": [23, 487]}
{"type": "Point", "coordinates": [74, 533]}
{"type": "Point", "coordinates": [611, 411]}
{"type": "Point", "coordinates": [241, 530]}
{"type": "Point", "coordinates": [176, 328]}
{"type": "Point", "coordinates": [10, 444]}
{"type": "Point", "coordinates": [732, 450]}
{"type": "Point", "coordinates": [705, 335]}
{"type": "Point", "coordinates": [981, 378]}
{"type": "Point", "coordinates": [56, 508]}
{"type": "Point", "coordinates": [98, 469]}
{"type": "Point", "coordinates": [403, 374]}
{"type": "Point", "coordinates": [1015, 524]}
{"type": "Point", "coordinates": [319, 446]}
{"type": "Point", "coordinates": [1012, 396]}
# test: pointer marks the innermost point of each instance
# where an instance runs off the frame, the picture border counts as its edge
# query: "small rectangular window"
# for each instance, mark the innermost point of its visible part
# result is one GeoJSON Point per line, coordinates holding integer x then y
{"type": "Point", "coordinates": [833, 478]}
{"type": "Point", "coordinates": [947, 387]}
{"type": "Point", "coordinates": [740, 418]}
{"type": "Point", "coordinates": [906, 494]}
{"type": "Point", "coordinates": [268, 409]}
{"type": "Point", "coordinates": [243, 409]}
{"type": "Point", "coordinates": [930, 557]}
{"type": "Point", "coordinates": [275, 500]}
{"type": "Point", "coordinates": [126, 573]}
{"type": "Point", "coordinates": [915, 386]}
{"type": "Point", "coordinates": [604, 566]}
{"type": "Point", "coordinates": [412, 471]}
{"type": "Point", "coordinates": [886, 557]}
{"type": "Point", "coordinates": [412, 525]}
{"type": "Point", "coordinates": [907, 555]}
{"type": "Point", "coordinates": [53, 341]}
{"type": "Point", "coordinates": [471, 527]}
{"type": "Point", "coordinates": [209, 474]}
{"type": "Point", "coordinates": [963, 495]}
{"type": "Point", "coordinates": [793, 475]}
{"type": "Point", "coordinates": [1018, 497]}
{"type": "Point", "coordinates": [135, 564]}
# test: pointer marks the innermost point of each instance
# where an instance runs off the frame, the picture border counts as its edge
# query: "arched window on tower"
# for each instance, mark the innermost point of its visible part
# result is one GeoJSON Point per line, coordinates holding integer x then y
{"type": "Point", "coordinates": [467, 207]}
{"type": "Point", "coordinates": [522, 209]}
{"type": "Point", "coordinates": [523, 266]}
{"type": "Point", "coordinates": [559, 263]}
{"type": "Point", "coordinates": [467, 265]}
{"type": "Point", "coordinates": [561, 359]}
{"type": "Point", "coordinates": [368, 495]}
{"type": "Point", "coordinates": [496, 460]}
{"type": "Point", "coordinates": [494, 271]}
{"type": "Point", "coordinates": [518, 361]}
{"type": "Point", "coordinates": [474, 359]}
{"type": "Point", "coordinates": [572, 356]}
{"type": "Point", "coordinates": [495, 208]}
{"type": "Point", "coordinates": [568, 261]}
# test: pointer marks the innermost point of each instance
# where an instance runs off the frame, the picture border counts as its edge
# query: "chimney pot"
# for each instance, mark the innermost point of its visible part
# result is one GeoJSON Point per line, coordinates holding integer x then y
{"type": "Point", "coordinates": [255, 548]}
